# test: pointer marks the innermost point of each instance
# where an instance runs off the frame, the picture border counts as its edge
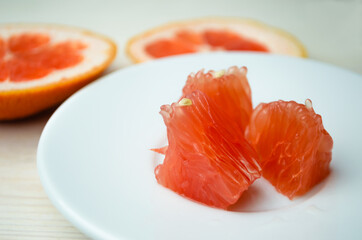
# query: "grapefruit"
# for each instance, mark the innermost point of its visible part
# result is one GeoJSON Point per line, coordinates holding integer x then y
{"type": "Point", "coordinates": [42, 65]}
{"type": "Point", "coordinates": [294, 148]}
{"type": "Point", "coordinates": [212, 34]}
{"type": "Point", "coordinates": [227, 88]}
{"type": "Point", "coordinates": [207, 160]}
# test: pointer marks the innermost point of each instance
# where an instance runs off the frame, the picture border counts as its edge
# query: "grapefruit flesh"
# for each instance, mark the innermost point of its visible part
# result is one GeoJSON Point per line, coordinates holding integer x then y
{"type": "Point", "coordinates": [189, 42]}
{"type": "Point", "coordinates": [207, 159]}
{"type": "Point", "coordinates": [42, 65]}
{"type": "Point", "coordinates": [227, 88]}
{"type": "Point", "coordinates": [294, 149]}
{"type": "Point", "coordinates": [31, 56]}
{"type": "Point", "coordinates": [232, 41]}
{"type": "Point", "coordinates": [166, 47]}
{"type": "Point", "coordinates": [26, 42]}
{"type": "Point", "coordinates": [212, 34]}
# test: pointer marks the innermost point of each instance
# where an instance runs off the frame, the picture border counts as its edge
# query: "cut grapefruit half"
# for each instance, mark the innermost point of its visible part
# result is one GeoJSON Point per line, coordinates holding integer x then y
{"type": "Point", "coordinates": [41, 65]}
{"type": "Point", "coordinates": [208, 159]}
{"type": "Point", "coordinates": [294, 148]}
{"type": "Point", "coordinates": [212, 34]}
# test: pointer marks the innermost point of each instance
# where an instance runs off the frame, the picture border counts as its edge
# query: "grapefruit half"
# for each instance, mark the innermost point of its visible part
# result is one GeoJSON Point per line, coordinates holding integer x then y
{"type": "Point", "coordinates": [41, 65]}
{"type": "Point", "coordinates": [212, 34]}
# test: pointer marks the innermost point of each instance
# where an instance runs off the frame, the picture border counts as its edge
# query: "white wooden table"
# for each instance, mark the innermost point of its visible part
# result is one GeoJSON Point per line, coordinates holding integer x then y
{"type": "Point", "coordinates": [330, 29]}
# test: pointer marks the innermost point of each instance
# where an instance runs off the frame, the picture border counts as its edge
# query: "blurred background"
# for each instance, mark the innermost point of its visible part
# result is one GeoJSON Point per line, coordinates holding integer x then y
{"type": "Point", "coordinates": [331, 31]}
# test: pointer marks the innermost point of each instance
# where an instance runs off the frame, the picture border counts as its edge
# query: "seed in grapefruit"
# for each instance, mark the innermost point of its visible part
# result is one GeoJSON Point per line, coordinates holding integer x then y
{"type": "Point", "coordinates": [42, 65]}
{"type": "Point", "coordinates": [294, 148]}
{"type": "Point", "coordinates": [227, 88]}
{"type": "Point", "coordinates": [207, 159]}
{"type": "Point", "coordinates": [212, 34]}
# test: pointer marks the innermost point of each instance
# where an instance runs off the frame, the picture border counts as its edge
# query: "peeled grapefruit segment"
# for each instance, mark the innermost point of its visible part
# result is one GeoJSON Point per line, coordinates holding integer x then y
{"type": "Point", "coordinates": [212, 34]}
{"type": "Point", "coordinates": [207, 160]}
{"type": "Point", "coordinates": [42, 65]}
{"type": "Point", "coordinates": [227, 88]}
{"type": "Point", "coordinates": [294, 148]}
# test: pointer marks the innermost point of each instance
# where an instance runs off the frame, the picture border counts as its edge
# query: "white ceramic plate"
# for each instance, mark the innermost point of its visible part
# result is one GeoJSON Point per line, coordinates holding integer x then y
{"type": "Point", "coordinates": [95, 164]}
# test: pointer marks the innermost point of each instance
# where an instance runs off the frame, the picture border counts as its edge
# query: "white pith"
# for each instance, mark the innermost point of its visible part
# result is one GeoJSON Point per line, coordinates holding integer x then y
{"type": "Point", "coordinates": [95, 54]}
{"type": "Point", "coordinates": [273, 40]}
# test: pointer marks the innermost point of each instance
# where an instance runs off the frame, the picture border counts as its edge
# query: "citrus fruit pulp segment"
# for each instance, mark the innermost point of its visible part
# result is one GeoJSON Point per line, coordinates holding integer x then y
{"type": "Point", "coordinates": [212, 34]}
{"type": "Point", "coordinates": [189, 42]}
{"type": "Point", "coordinates": [31, 56]}
{"type": "Point", "coordinates": [294, 148]}
{"type": "Point", "coordinates": [41, 65]}
{"type": "Point", "coordinates": [228, 89]}
{"type": "Point", "coordinates": [26, 42]}
{"type": "Point", "coordinates": [206, 160]}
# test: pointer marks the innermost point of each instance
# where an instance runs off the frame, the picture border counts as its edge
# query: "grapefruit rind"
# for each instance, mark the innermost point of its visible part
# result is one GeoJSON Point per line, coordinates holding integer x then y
{"type": "Point", "coordinates": [22, 99]}
{"type": "Point", "coordinates": [276, 40]}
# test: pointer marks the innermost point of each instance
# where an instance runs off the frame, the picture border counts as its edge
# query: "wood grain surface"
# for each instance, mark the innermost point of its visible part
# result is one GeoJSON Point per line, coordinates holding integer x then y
{"type": "Point", "coordinates": [25, 210]}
